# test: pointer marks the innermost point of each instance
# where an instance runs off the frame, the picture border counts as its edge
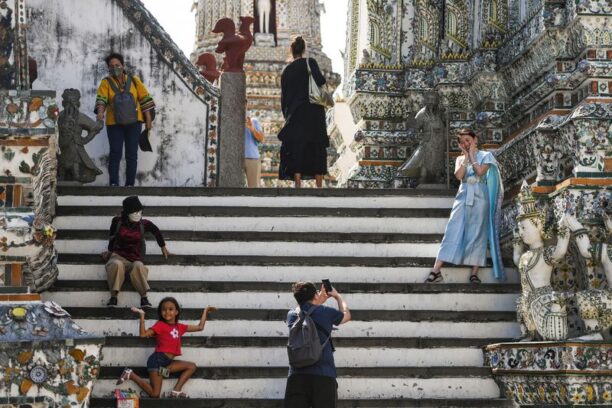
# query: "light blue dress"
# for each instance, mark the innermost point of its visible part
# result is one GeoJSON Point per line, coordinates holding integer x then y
{"type": "Point", "coordinates": [474, 219]}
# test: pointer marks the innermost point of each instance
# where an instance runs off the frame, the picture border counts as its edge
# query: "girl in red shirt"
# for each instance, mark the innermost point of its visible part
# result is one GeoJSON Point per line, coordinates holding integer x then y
{"type": "Point", "coordinates": [168, 332]}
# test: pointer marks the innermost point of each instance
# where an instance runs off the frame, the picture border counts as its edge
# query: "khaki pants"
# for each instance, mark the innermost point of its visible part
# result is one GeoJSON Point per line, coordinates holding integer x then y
{"type": "Point", "coordinates": [252, 169]}
{"type": "Point", "coordinates": [117, 266]}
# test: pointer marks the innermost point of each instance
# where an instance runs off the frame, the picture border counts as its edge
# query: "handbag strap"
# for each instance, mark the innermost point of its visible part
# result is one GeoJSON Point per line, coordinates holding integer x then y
{"type": "Point", "coordinates": [308, 66]}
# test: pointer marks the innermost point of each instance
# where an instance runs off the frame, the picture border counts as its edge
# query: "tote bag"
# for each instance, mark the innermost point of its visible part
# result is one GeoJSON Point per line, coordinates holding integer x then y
{"type": "Point", "coordinates": [317, 94]}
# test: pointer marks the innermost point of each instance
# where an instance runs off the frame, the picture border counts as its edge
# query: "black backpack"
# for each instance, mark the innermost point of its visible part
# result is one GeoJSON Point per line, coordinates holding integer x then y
{"type": "Point", "coordinates": [304, 346]}
{"type": "Point", "coordinates": [124, 105]}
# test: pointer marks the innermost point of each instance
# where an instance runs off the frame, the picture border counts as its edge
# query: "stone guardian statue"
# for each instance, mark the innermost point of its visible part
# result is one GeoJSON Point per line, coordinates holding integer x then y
{"type": "Point", "coordinates": [428, 161]}
{"type": "Point", "coordinates": [595, 305]}
{"type": "Point", "coordinates": [541, 311]}
{"type": "Point", "coordinates": [264, 8]}
{"type": "Point", "coordinates": [233, 44]}
{"type": "Point", "coordinates": [74, 164]}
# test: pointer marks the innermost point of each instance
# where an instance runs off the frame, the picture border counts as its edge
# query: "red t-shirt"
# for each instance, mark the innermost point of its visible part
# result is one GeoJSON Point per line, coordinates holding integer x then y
{"type": "Point", "coordinates": [169, 337]}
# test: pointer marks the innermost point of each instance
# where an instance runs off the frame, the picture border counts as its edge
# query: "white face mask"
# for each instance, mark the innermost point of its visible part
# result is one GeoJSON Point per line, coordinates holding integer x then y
{"type": "Point", "coordinates": [135, 216]}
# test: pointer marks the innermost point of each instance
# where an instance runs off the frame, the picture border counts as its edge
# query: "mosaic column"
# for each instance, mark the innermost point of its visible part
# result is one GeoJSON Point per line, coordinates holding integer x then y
{"type": "Point", "coordinates": [27, 173]}
{"type": "Point", "coordinates": [45, 358]}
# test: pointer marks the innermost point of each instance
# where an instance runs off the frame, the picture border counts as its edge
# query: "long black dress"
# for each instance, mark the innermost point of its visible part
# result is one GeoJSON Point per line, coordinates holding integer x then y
{"type": "Point", "coordinates": [304, 136]}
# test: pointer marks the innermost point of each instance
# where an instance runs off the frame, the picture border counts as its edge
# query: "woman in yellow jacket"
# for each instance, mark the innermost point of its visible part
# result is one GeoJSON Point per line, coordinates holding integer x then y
{"type": "Point", "coordinates": [123, 128]}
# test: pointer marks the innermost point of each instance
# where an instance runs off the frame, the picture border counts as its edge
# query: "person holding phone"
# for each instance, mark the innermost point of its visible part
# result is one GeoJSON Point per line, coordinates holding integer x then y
{"type": "Point", "coordinates": [315, 386]}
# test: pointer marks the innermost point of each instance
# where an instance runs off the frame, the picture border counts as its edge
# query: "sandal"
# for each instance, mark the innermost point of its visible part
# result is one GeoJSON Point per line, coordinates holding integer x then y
{"type": "Point", "coordinates": [434, 277]}
{"type": "Point", "coordinates": [125, 375]}
{"type": "Point", "coordinates": [475, 279]}
{"type": "Point", "coordinates": [178, 394]}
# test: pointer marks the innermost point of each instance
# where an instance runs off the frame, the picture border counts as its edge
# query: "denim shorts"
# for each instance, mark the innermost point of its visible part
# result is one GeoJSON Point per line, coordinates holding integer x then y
{"type": "Point", "coordinates": [158, 360]}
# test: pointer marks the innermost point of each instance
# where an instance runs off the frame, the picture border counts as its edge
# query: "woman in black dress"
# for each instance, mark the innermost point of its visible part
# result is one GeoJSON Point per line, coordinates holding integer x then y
{"type": "Point", "coordinates": [303, 153]}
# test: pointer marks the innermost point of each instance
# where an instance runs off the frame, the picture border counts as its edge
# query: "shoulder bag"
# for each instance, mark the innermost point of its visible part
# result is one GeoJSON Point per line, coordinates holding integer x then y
{"type": "Point", "coordinates": [317, 94]}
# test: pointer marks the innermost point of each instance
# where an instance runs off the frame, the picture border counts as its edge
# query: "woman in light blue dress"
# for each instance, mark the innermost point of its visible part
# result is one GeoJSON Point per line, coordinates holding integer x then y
{"type": "Point", "coordinates": [474, 219]}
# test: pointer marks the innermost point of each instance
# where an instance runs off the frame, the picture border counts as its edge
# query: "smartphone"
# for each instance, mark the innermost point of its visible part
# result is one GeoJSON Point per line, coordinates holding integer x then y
{"type": "Point", "coordinates": [327, 285]}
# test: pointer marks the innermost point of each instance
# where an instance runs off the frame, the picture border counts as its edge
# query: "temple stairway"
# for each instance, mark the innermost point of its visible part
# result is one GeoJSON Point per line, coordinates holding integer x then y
{"type": "Point", "coordinates": [410, 344]}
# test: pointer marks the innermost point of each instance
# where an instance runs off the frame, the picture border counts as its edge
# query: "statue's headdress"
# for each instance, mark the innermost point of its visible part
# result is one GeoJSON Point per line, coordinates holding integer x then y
{"type": "Point", "coordinates": [71, 97]}
{"type": "Point", "coordinates": [527, 203]}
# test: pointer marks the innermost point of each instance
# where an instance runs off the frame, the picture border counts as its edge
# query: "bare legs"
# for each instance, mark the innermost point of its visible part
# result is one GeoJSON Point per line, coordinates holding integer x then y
{"type": "Point", "coordinates": [319, 180]}
{"type": "Point", "coordinates": [297, 177]}
{"type": "Point", "coordinates": [153, 387]}
{"type": "Point", "coordinates": [187, 368]}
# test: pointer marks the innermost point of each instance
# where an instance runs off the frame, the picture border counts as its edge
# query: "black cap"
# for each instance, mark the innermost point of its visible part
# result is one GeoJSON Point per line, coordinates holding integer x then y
{"type": "Point", "coordinates": [131, 205]}
{"type": "Point", "coordinates": [143, 141]}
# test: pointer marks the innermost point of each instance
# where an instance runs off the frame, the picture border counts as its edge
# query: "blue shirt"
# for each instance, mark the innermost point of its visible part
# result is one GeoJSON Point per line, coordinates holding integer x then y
{"type": "Point", "coordinates": [325, 318]}
{"type": "Point", "coordinates": [250, 144]}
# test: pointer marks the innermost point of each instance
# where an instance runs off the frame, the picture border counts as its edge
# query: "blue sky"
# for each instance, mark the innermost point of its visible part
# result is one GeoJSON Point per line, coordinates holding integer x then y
{"type": "Point", "coordinates": [177, 19]}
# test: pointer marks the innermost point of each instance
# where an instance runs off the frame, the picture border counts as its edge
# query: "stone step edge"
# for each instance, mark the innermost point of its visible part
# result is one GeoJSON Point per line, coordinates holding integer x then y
{"type": "Point", "coordinates": [124, 313]}
{"type": "Point", "coordinates": [267, 236]}
{"type": "Point", "coordinates": [285, 287]}
{"type": "Point", "coordinates": [272, 403]}
{"type": "Point", "coordinates": [249, 192]}
{"type": "Point", "coordinates": [258, 260]}
{"type": "Point", "coordinates": [226, 373]}
{"type": "Point", "coordinates": [257, 212]}
{"type": "Point", "coordinates": [269, 342]}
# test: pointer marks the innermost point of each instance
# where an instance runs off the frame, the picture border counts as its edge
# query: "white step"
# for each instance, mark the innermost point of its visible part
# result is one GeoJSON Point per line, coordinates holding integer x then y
{"type": "Point", "coordinates": [277, 357]}
{"type": "Point", "coordinates": [261, 248]}
{"type": "Point", "coordinates": [348, 388]}
{"type": "Point", "coordinates": [254, 328]}
{"type": "Point", "coordinates": [242, 273]}
{"type": "Point", "coordinates": [253, 201]}
{"type": "Point", "coordinates": [416, 225]}
{"type": "Point", "coordinates": [274, 300]}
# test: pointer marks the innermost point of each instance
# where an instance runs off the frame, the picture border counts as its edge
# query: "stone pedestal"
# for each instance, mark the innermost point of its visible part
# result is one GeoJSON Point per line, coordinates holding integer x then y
{"type": "Point", "coordinates": [264, 40]}
{"type": "Point", "coordinates": [231, 138]}
{"type": "Point", "coordinates": [551, 374]}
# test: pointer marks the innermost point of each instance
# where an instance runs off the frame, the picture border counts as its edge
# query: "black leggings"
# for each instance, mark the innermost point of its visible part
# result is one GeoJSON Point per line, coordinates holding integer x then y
{"type": "Point", "coordinates": [311, 391]}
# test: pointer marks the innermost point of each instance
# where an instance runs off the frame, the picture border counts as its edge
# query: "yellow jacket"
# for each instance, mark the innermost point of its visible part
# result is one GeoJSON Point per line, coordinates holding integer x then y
{"type": "Point", "coordinates": [106, 95]}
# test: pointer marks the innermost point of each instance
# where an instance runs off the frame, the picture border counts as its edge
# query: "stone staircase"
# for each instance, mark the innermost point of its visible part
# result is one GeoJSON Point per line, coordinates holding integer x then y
{"type": "Point", "coordinates": [409, 345]}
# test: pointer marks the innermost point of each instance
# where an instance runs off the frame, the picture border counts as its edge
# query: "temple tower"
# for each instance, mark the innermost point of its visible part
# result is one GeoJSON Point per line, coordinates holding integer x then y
{"type": "Point", "coordinates": [276, 23]}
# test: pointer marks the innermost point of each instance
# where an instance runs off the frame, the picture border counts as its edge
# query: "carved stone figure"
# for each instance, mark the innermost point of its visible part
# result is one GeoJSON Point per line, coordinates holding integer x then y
{"type": "Point", "coordinates": [541, 311]}
{"type": "Point", "coordinates": [233, 44]}
{"type": "Point", "coordinates": [74, 164]}
{"type": "Point", "coordinates": [207, 64]}
{"type": "Point", "coordinates": [366, 58]}
{"type": "Point", "coordinates": [264, 8]}
{"type": "Point", "coordinates": [428, 161]}
{"type": "Point", "coordinates": [594, 305]}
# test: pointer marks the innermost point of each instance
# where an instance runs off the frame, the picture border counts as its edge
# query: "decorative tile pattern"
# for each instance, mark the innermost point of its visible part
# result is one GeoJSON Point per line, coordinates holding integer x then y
{"type": "Point", "coordinates": [54, 358]}
{"type": "Point", "coordinates": [558, 373]}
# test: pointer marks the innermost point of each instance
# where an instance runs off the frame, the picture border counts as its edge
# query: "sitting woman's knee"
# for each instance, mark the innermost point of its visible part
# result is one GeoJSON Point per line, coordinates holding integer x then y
{"type": "Point", "coordinates": [114, 263]}
{"type": "Point", "coordinates": [138, 264]}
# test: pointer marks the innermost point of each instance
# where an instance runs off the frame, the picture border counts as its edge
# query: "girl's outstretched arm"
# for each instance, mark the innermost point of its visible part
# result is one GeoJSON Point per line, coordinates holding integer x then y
{"type": "Point", "coordinates": [142, 332]}
{"type": "Point", "coordinates": [200, 326]}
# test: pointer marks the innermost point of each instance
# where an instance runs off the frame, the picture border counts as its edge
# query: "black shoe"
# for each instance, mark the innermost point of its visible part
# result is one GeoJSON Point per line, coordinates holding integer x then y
{"type": "Point", "coordinates": [144, 302]}
{"type": "Point", "coordinates": [112, 301]}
